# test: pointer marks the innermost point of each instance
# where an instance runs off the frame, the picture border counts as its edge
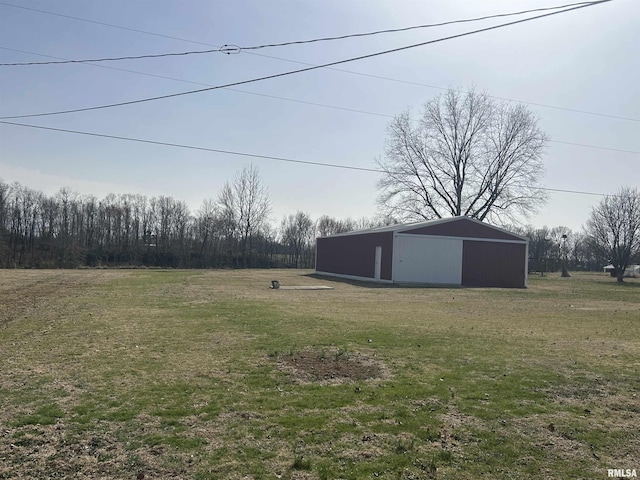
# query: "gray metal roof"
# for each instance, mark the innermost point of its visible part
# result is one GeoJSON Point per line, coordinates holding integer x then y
{"type": "Point", "coordinates": [403, 227]}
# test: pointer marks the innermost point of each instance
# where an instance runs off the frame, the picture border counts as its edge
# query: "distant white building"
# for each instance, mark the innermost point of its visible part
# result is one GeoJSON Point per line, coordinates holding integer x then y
{"type": "Point", "coordinates": [630, 271]}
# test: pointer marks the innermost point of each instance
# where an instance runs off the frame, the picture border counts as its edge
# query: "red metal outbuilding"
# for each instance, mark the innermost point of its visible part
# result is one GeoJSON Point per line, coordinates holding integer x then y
{"type": "Point", "coordinates": [452, 251]}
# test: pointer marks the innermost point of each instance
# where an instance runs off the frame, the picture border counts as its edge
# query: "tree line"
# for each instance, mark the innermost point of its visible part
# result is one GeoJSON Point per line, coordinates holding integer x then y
{"type": "Point", "coordinates": [611, 236]}
{"type": "Point", "coordinates": [233, 230]}
{"type": "Point", "coordinates": [552, 248]}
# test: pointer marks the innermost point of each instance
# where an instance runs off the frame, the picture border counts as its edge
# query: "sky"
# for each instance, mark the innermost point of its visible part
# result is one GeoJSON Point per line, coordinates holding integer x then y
{"type": "Point", "coordinates": [577, 72]}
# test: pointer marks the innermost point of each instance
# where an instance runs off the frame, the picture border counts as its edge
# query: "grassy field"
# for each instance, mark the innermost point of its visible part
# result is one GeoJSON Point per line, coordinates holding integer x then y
{"type": "Point", "coordinates": [124, 374]}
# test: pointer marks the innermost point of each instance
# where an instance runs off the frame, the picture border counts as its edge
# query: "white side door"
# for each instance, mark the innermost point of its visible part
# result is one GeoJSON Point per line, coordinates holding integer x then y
{"type": "Point", "coordinates": [378, 264]}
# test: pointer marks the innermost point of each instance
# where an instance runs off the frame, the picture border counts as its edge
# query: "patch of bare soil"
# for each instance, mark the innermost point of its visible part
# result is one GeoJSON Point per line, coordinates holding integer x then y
{"type": "Point", "coordinates": [330, 366]}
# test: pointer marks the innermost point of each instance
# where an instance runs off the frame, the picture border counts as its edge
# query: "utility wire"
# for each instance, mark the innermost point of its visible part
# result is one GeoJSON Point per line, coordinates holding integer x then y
{"type": "Point", "coordinates": [192, 147]}
{"type": "Point", "coordinates": [113, 59]}
{"type": "Point", "coordinates": [436, 87]}
{"type": "Point", "coordinates": [542, 105]}
{"type": "Point", "coordinates": [294, 100]}
{"type": "Point", "coordinates": [635, 152]}
{"type": "Point", "coordinates": [252, 155]}
{"type": "Point", "coordinates": [324, 105]}
{"type": "Point", "coordinates": [339, 62]}
{"type": "Point", "coordinates": [379, 77]}
{"type": "Point", "coordinates": [404, 29]}
{"type": "Point", "coordinates": [304, 102]}
{"type": "Point", "coordinates": [228, 49]}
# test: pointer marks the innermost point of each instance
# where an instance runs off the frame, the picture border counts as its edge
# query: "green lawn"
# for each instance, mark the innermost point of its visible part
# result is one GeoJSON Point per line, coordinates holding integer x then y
{"type": "Point", "coordinates": [125, 374]}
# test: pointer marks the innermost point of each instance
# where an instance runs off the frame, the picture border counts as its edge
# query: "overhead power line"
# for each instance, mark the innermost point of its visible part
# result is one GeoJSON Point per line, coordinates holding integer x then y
{"type": "Point", "coordinates": [350, 72]}
{"type": "Point", "coordinates": [112, 59]}
{"type": "Point", "coordinates": [437, 87]}
{"type": "Point", "coordinates": [192, 147]}
{"type": "Point", "coordinates": [237, 49]}
{"type": "Point", "coordinates": [292, 72]}
{"type": "Point", "coordinates": [315, 104]}
{"type": "Point", "coordinates": [405, 29]}
{"type": "Point", "coordinates": [635, 152]}
{"type": "Point", "coordinates": [294, 100]}
{"type": "Point", "coordinates": [336, 107]}
{"type": "Point", "coordinates": [250, 155]}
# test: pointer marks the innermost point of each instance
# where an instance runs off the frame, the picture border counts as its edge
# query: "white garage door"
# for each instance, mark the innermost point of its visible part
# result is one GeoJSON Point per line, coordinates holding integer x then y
{"type": "Point", "coordinates": [420, 259]}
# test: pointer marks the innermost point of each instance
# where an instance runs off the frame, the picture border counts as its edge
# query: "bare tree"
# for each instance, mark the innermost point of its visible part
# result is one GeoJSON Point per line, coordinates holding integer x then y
{"type": "Point", "coordinates": [297, 232]}
{"type": "Point", "coordinates": [580, 253]}
{"type": "Point", "coordinates": [614, 229]}
{"type": "Point", "coordinates": [561, 237]}
{"type": "Point", "coordinates": [205, 225]}
{"type": "Point", "coordinates": [245, 203]}
{"type": "Point", "coordinates": [5, 191]}
{"type": "Point", "coordinates": [5, 215]}
{"type": "Point", "coordinates": [466, 155]}
{"type": "Point", "coordinates": [326, 226]}
{"type": "Point", "coordinates": [539, 248]}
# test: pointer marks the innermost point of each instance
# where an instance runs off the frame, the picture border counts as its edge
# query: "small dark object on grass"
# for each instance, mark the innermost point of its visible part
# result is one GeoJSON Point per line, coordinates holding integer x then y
{"type": "Point", "coordinates": [275, 284]}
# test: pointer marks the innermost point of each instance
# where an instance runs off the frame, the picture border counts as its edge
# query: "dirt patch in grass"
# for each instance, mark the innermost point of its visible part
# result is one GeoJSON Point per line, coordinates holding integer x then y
{"type": "Point", "coordinates": [330, 366]}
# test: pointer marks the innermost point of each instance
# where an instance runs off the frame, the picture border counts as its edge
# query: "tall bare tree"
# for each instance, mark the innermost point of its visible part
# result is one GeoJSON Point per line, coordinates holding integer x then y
{"type": "Point", "coordinates": [614, 229]}
{"type": "Point", "coordinates": [297, 233]}
{"type": "Point", "coordinates": [539, 248]}
{"type": "Point", "coordinates": [5, 192]}
{"type": "Point", "coordinates": [466, 155]}
{"type": "Point", "coordinates": [205, 227]}
{"type": "Point", "coordinates": [245, 203]}
{"type": "Point", "coordinates": [561, 237]}
{"type": "Point", "coordinates": [5, 196]}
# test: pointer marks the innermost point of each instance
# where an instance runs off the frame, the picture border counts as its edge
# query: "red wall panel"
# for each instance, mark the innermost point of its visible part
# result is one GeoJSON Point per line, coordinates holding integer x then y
{"type": "Point", "coordinates": [355, 254]}
{"type": "Point", "coordinates": [492, 264]}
